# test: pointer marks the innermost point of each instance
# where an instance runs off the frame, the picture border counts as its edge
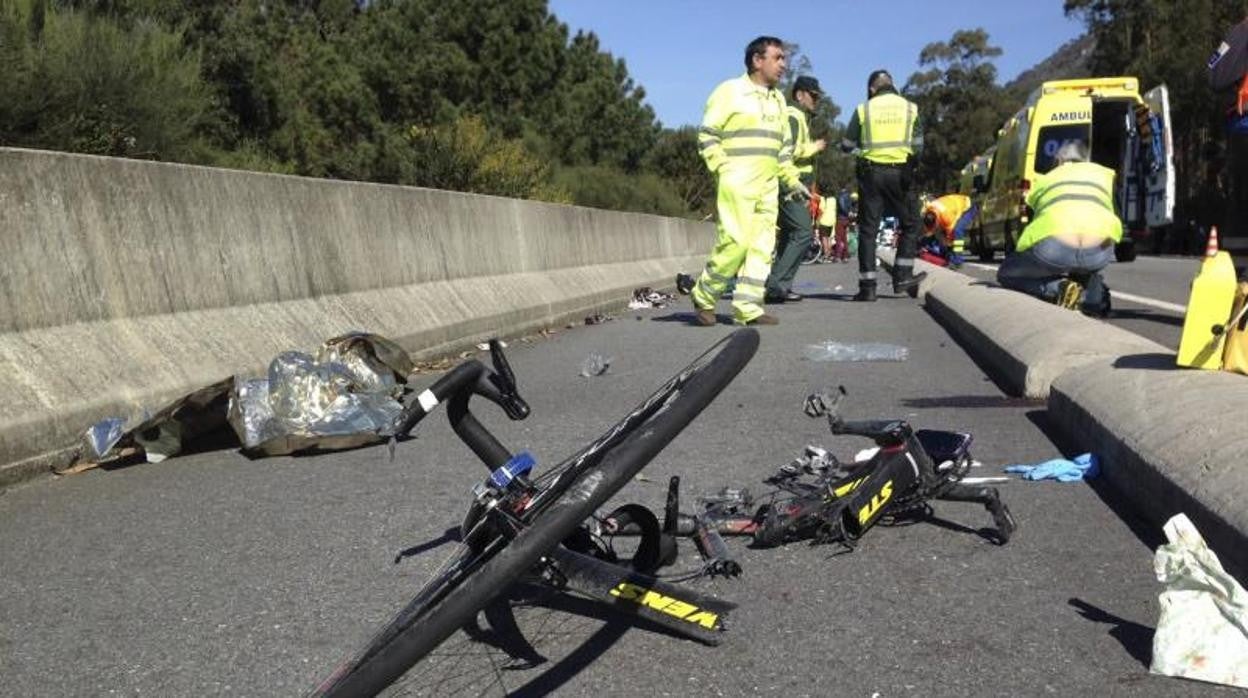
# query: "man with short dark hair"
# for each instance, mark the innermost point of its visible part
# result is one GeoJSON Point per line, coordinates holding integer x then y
{"type": "Point", "coordinates": [795, 225]}
{"type": "Point", "coordinates": [884, 132]}
{"type": "Point", "coordinates": [746, 143]}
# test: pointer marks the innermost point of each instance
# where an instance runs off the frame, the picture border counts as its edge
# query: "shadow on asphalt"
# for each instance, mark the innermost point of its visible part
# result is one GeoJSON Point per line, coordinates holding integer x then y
{"type": "Point", "coordinates": [686, 318]}
{"type": "Point", "coordinates": [1160, 318]}
{"type": "Point", "coordinates": [505, 634]}
{"type": "Point", "coordinates": [971, 401]}
{"type": "Point", "coordinates": [1135, 638]}
{"type": "Point", "coordinates": [1148, 362]}
{"type": "Point", "coordinates": [450, 535]}
{"type": "Point", "coordinates": [988, 534]}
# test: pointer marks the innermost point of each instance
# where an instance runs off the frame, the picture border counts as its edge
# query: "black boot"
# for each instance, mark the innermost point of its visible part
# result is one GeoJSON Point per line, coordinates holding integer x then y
{"type": "Point", "coordinates": [908, 281]}
{"type": "Point", "coordinates": [866, 291]}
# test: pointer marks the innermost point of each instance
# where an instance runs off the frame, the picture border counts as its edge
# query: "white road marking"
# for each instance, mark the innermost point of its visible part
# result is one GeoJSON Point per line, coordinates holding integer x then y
{"type": "Point", "coordinates": [1129, 297]}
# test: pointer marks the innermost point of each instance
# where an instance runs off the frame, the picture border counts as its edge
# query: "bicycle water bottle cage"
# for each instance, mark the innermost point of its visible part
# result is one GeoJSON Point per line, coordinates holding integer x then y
{"type": "Point", "coordinates": [519, 465]}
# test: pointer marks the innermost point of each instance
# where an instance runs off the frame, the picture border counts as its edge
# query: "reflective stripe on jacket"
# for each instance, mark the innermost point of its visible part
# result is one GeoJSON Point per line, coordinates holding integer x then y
{"type": "Point", "coordinates": [745, 137]}
{"type": "Point", "coordinates": [1072, 199]}
{"type": "Point", "coordinates": [887, 128]}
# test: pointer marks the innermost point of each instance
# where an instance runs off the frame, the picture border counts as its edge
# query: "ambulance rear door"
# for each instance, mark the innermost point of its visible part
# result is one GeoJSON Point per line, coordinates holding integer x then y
{"type": "Point", "coordinates": [1157, 154]}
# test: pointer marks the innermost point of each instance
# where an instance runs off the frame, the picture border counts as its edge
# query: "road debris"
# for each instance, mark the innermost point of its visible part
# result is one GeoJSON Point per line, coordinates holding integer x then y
{"type": "Point", "coordinates": [338, 399]}
{"type": "Point", "coordinates": [1202, 632]}
{"type": "Point", "coordinates": [595, 365]}
{"type": "Point", "coordinates": [1082, 467]}
{"type": "Point", "coordinates": [829, 350]}
{"type": "Point", "coordinates": [646, 297]}
{"type": "Point", "coordinates": [597, 319]}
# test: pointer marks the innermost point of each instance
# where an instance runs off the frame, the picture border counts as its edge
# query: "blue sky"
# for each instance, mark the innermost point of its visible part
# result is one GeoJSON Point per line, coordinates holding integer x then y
{"type": "Point", "coordinates": [680, 49]}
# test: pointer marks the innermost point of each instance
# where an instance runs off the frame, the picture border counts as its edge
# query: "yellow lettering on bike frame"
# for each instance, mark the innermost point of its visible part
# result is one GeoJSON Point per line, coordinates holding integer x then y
{"type": "Point", "coordinates": [648, 598]}
{"type": "Point", "coordinates": [847, 487]}
{"type": "Point", "coordinates": [877, 500]}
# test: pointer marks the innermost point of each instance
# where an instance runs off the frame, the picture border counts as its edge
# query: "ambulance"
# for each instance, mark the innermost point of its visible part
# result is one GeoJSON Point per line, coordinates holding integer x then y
{"type": "Point", "coordinates": [1123, 130]}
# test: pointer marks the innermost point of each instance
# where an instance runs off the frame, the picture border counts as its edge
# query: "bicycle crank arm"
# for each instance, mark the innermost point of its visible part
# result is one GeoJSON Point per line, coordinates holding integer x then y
{"type": "Point", "coordinates": [677, 608]}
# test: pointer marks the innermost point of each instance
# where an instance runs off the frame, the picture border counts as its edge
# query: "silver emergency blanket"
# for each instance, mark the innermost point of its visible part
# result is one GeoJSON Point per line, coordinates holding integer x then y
{"type": "Point", "coordinates": [343, 398]}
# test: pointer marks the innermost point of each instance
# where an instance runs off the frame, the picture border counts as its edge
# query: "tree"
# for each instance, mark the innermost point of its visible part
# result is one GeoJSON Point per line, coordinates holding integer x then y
{"type": "Point", "coordinates": [89, 84]}
{"type": "Point", "coordinates": [675, 157]}
{"type": "Point", "coordinates": [1169, 41]}
{"type": "Point", "coordinates": [960, 105]}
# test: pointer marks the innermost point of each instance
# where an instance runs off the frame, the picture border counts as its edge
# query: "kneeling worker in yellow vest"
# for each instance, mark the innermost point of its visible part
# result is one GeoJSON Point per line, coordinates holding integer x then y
{"type": "Point", "coordinates": [1071, 236]}
{"type": "Point", "coordinates": [746, 142]}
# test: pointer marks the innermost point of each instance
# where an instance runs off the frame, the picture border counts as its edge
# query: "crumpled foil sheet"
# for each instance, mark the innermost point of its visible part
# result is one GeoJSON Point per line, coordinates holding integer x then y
{"type": "Point", "coordinates": [305, 404]}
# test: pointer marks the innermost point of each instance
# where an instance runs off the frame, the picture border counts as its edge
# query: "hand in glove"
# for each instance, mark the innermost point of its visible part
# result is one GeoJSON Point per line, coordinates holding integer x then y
{"type": "Point", "coordinates": [798, 193]}
{"type": "Point", "coordinates": [1080, 468]}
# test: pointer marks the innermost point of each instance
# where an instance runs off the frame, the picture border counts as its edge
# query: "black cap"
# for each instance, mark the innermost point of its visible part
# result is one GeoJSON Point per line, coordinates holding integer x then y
{"type": "Point", "coordinates": [806, 83]}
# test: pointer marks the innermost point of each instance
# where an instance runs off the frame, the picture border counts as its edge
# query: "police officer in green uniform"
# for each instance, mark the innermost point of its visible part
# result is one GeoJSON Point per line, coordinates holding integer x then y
{"type": "Point", "coordinates": [795, 226]}
{"type": "Point", "coordinates": [884, 133]}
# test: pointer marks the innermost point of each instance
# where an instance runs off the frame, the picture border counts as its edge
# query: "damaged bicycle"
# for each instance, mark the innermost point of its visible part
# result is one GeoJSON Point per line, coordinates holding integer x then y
{"type": "Point", "coordinates": [524, 526]}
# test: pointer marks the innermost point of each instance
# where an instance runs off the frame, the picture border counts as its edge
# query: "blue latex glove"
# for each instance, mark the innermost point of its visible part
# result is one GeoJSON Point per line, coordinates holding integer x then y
{"type": "Point", "coordinates": [1084, 467]}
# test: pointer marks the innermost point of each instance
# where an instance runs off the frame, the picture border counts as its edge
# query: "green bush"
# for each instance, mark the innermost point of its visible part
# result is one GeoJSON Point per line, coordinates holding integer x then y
{"type": "Point", "coordinates": [609, 188]}
{"type": "Point", "coordinates": [81, 82]}
{"type": "Point", "coordinates": [464, 155]}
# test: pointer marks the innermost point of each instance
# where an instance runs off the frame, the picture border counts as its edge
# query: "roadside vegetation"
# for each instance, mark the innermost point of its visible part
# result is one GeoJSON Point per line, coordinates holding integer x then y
{"type": "Point", "coordinates": [499, 97]}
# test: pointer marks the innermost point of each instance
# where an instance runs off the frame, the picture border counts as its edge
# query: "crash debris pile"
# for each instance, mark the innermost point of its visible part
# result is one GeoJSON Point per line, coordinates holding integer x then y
{"type": "Point", "coordinates": [646, 297]}
{"type": "Point", "coordinates": [347, 395]}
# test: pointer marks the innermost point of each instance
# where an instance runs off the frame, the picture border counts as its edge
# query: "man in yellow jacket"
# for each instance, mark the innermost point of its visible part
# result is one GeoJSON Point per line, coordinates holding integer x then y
{"type": "Point", "coordinates": [794, 223]}
{"type": "Point", "coordinates": [1070, 237]}
{"type": "Point", "coordinates": [746, 143]}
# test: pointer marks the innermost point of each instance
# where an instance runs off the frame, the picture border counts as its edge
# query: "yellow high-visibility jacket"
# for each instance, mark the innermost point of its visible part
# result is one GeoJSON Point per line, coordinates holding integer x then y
{"type": "Point", "coordinates": [1076, 198]}
{"type": "Point", "coordinates": [803, 148]}
{"type": "Point", "coordinates": [888, 128]}
{"type": "Point", "coordinates": [745, 138]}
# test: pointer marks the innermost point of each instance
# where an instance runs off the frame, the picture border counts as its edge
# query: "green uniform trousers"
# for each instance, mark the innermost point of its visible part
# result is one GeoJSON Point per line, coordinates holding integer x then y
{"type": "Point", "coordinates": [793, 237]}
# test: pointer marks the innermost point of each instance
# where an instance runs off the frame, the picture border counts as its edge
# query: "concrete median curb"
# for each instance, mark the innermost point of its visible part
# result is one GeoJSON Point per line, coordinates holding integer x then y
{"type": "Point", "coordinates": [130, 283]}
{"type": "Point", "coordinates": [1171, 440]}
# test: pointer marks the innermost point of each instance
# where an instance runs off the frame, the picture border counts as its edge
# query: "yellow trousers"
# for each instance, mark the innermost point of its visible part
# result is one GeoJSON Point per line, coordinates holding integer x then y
{"type": "Point", "coordinates": [743, 246]}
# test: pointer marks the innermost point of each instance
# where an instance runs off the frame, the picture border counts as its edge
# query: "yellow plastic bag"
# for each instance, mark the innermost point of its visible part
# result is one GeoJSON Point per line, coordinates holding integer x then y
{"type": "Point", "coordinates": [1235, 355]}
{"type": "Point", "coordinates": [1203, 630]}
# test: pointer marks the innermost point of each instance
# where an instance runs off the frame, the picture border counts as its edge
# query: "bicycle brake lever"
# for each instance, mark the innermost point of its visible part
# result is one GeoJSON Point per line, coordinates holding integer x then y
{"type": "Point", "coordinates": [502, 368]}
{"type": "Point", "coordinates": [505, 380]}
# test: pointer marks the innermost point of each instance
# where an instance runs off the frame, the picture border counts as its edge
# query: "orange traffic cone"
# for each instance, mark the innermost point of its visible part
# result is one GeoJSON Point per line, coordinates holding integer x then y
{"type": "Point", "coordinates": [1211, 247]}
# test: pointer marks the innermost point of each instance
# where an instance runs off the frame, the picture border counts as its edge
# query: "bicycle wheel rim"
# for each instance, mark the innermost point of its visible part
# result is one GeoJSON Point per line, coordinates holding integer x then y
{"type": "Point", "coordinates": [435, 614]}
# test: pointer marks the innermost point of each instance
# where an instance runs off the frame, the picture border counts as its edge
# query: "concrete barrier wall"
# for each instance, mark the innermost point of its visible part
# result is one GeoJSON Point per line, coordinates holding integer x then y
{"type": "Point", "coordinates": [127, 283]}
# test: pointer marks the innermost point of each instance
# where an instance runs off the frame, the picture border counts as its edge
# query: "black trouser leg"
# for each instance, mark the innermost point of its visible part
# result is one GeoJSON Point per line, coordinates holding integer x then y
{"type": "Point", "coordinates": [870, 209]}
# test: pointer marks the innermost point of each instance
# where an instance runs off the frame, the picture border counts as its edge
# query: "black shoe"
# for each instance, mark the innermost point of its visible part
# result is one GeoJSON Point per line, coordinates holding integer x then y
{"type": "Point", "coordinates": [910, 284]}
{"type": "Point", "coordinates": [770, 298]}
{"type": "Point", "coordinates": [866, 292]}
{"type": "Point", "coordinates": [792, 297]}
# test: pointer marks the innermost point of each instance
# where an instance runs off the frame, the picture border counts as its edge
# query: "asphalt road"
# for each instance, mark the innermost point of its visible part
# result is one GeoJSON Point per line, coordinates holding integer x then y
{"type": "Point", "coordinates": [213, 574]}
{"type": "Point", "coordinates": [1149, 294]}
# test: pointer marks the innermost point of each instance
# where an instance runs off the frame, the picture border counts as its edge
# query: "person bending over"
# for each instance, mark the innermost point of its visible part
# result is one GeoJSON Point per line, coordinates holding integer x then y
{"type": "Point", "coordinates": [1071, 236]}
